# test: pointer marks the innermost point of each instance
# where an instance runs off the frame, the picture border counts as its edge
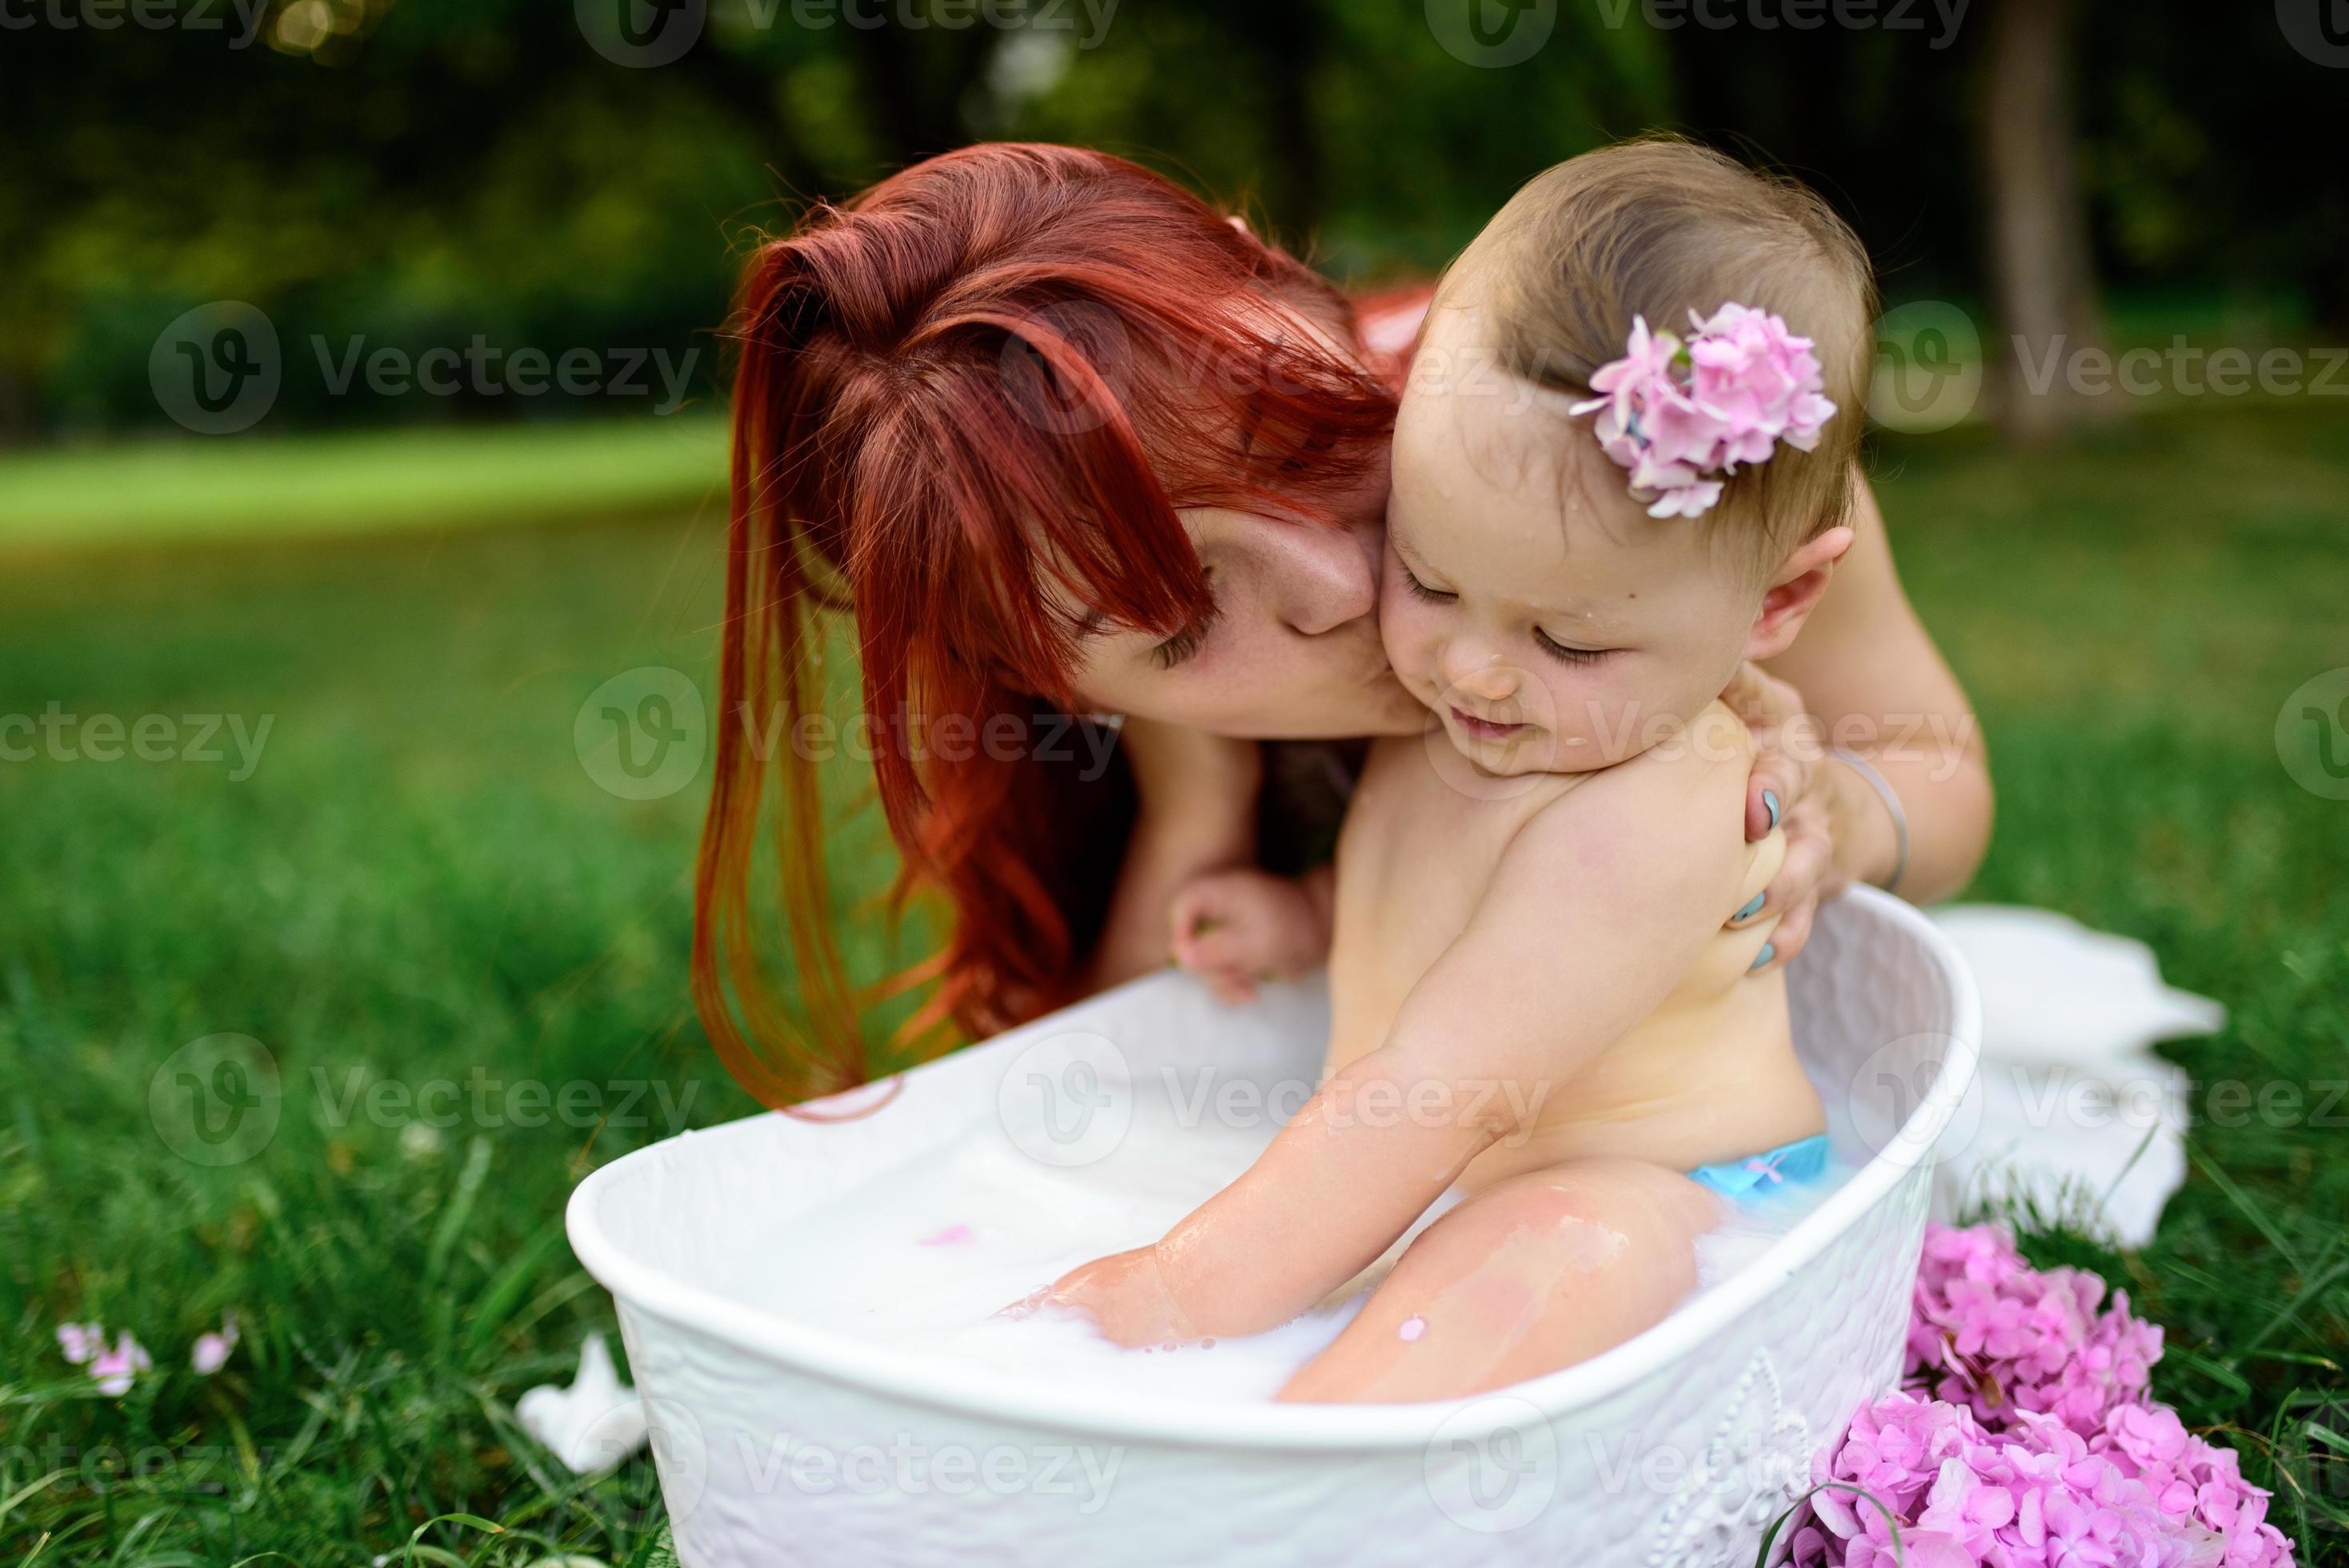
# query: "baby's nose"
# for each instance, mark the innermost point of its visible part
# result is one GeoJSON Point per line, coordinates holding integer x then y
{"type": "Point", "coordinates": [1488, 680]}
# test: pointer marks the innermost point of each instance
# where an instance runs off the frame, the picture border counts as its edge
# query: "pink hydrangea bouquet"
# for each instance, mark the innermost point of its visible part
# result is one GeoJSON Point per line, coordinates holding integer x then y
{"type": "Point", "coordinates": [2027, 1436]}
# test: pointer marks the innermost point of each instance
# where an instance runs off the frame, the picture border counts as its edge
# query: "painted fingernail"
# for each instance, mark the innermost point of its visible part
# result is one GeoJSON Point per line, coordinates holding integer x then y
{"type": "Point", "coordinates": [1751, 909]}
{"type": "Point", "coordinates": [1769, 951]}
{"type": "Point", "coordinates": [1770, 799]}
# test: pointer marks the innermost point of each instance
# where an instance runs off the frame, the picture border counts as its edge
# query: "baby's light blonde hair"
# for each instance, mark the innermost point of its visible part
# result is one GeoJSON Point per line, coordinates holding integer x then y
{"type": "Point", "coordinates": [1657, 228]}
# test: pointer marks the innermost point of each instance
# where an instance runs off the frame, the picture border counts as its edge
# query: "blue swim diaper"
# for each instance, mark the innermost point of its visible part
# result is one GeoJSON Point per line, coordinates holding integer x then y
{"type": "Point", "coordinates": [1759, 1175]}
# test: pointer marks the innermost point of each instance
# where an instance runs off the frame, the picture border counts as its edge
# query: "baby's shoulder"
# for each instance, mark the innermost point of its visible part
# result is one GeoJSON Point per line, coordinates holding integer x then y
{"type": "Point", "coordinates": [1692, 776]}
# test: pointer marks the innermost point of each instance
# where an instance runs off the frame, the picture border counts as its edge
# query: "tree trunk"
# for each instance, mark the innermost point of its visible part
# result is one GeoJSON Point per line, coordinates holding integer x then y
{"type": "Point", "coordinates": [2039, 263]}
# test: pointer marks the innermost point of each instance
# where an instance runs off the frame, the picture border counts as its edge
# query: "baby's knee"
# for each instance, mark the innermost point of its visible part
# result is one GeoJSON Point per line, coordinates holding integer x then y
{"type": "Point", "coordinates": [1634, 1190]}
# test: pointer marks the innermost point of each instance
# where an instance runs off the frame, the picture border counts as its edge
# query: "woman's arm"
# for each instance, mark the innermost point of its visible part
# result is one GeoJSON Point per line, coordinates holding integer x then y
{"type": "Point", "coordinates": [1196, 814]}
{"type": "Point", "coordinates": [1596, 908]}
{"type": "Point", "coordinates": [1864, 676]}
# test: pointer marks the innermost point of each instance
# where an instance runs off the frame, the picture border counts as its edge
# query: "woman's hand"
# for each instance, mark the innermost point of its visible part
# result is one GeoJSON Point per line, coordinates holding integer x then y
{"type": "Point", "coordinates": [1828, 828]}
{"type": "Point", "coordinates": [1126, 1297]}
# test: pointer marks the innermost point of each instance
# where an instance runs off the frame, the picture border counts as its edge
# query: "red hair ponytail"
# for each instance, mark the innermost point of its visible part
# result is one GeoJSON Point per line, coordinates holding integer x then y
{"type": "Point", "coordinates": [969, 404]}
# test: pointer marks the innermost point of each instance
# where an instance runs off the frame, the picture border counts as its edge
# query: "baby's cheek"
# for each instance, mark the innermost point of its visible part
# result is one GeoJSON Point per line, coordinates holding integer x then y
{"type": "Point", "coordinates": [1599, 723]}
{"type": "Point", "coordinates": [1409, 647]}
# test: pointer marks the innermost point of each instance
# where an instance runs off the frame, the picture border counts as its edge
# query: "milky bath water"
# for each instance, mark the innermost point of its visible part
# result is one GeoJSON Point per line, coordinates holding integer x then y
{"type": "Point", "coordinates": [925, 1256]}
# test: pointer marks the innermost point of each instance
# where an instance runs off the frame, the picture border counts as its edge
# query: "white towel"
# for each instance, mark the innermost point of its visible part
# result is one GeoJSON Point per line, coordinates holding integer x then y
{"type": "Point", "coordinates": [2071, 1114]}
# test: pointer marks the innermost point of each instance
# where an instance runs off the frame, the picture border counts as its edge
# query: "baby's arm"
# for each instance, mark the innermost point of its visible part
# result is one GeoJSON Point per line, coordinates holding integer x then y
{"type": "Point", "coordinates": [1596, 909]}
{"type": "Point", "coordinates": [1234, 928]}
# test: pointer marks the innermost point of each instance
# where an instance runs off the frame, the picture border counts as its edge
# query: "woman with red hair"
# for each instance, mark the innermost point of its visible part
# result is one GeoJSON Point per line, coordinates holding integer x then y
{"type": "Point", "coordinates": [1076, 452]}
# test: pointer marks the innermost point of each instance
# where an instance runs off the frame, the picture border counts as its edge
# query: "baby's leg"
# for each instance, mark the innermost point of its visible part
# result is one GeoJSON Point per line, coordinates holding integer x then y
{"type": "Point", "coordinates": [1534, 1273]}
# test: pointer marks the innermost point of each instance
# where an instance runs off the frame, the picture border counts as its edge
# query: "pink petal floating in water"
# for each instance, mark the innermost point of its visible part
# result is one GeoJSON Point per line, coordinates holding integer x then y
{"type": "Point", "coordinates": [1413, 1327]}
{"type": "Point", "coordinates": [954, 1235]}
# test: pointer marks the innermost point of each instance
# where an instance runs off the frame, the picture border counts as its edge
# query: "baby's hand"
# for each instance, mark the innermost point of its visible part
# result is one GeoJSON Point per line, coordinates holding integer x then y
{"type": "Point", "coordinates": [1124, 1294]}
{"type": "Point", "coordinates": [1234, 928]}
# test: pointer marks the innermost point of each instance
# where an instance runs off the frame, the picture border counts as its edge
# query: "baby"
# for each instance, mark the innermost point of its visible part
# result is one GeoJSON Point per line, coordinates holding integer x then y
{"type": "Point", "coordinates": [1621, 469]}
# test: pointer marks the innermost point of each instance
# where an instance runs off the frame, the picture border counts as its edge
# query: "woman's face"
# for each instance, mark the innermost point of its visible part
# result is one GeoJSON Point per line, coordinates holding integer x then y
{"type": "Point", "coordinates": [1291, 651]}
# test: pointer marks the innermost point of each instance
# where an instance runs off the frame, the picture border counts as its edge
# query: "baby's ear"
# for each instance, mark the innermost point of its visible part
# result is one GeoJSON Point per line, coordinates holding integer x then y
{"type": "Point", "coordinates": [1795, 588]}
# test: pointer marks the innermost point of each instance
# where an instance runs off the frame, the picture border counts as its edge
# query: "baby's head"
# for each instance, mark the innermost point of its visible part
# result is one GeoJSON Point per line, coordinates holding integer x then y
{"type": "Point", "coordinates": [1529, 599]}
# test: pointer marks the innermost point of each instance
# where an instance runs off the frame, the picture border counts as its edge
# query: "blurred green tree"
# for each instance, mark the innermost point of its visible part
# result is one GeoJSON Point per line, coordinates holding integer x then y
{"type": "Point", "coordinates": [414, 175]}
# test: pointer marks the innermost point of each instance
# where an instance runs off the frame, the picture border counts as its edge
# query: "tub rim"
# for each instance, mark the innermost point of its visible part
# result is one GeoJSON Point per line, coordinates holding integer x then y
{"type": "Point", "coordinates": [945, 1384]}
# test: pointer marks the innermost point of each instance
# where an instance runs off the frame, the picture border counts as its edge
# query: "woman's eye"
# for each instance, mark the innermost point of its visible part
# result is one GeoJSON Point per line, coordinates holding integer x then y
{"type": "Point", "coordinates": [1185, 645]}
{"type": "Point", "coordinates": [1559, 650]}
{"type": "Point", "coordinates": [1422, 591]}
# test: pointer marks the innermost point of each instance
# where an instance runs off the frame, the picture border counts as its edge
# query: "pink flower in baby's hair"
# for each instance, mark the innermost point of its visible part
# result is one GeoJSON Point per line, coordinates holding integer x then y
{"type": "Point", "coordinates": [1764, 380]}
{"type": "Point", "coordinates": [1648, 424]}
{"type": "Point", "coordinates": [115, 1369]}
{"type": "Point", "coordinates": [81, 1341]}
{"type": "Point", "coordinates": [954, 1235]}
{"type": "Point", "coordinates": [1681, 416]}
{"type": "Point", "coordinates": [211, 1353]}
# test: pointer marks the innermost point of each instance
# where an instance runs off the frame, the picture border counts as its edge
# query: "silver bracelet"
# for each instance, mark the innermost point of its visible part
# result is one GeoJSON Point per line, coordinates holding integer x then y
{"type": "Point", "coordinates": [1867, 770]}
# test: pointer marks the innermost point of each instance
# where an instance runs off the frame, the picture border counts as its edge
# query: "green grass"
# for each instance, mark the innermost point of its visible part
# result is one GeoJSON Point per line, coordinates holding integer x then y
{"type": "Point", "coordinates": [420, 880]}
{"type": "Point", "coordinates": [373, 482]}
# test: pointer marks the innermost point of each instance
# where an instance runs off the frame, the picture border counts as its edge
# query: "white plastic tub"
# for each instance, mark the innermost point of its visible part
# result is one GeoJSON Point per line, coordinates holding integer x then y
{"type": "Point", "coordinates": [782, 1443]}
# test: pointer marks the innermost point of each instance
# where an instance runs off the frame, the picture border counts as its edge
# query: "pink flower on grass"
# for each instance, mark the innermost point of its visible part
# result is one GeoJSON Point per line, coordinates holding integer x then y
{"type": "Point", "coordinates": [1684, 416]}
{"type": "Point", "coordinates": [1988, 1331]}
{"type": "Point", "coordinates": [2029, 1496]}
{"type": "Point", "coordinates": [81, 1341]}
{"type": "Point", "coordinates": [2047, 1449]}
{"type": "Point", "coordinates": [211, 1352]}
{"type": "Point", "coordinates": [116, 1369]}
{"type": "Point", "coordinates": [2192, 1481]}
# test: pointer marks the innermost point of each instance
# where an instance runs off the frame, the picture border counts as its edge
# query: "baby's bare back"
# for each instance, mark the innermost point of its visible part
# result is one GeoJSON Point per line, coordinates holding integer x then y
{"type": "Point", "coordinates": [1709, 1075]}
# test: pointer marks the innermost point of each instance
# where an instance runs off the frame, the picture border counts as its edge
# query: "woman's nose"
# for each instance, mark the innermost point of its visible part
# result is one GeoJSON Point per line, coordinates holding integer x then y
{"type": "Point", "coordinates": [1326, 577]}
